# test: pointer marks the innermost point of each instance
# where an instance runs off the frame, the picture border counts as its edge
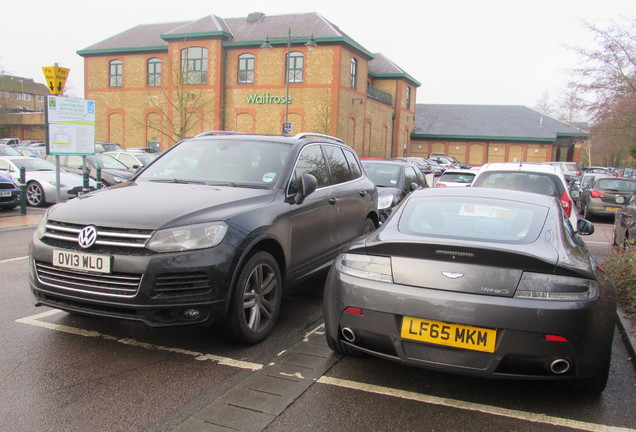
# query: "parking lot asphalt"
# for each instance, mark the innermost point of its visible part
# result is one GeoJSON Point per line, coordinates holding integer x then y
{"type": "Point", "coordinates": [14, 219]}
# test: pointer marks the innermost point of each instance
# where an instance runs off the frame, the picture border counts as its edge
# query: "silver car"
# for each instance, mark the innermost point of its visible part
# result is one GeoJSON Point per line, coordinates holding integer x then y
{"type": "Point", "coordinates": [476, 281]}
{"type": "Point", "coordinates": [41, 179]}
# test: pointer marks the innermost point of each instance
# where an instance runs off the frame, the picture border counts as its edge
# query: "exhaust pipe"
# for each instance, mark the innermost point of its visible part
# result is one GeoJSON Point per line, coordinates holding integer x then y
{"type": "Point", "coordinates": [559, 366]}
{"type": "Point", "coordinates": [349, 335]}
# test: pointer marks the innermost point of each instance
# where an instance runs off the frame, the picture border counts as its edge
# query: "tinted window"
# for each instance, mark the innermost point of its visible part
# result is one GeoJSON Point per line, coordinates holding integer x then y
{"type": "Point", "coordinates": [338, 164]}
{"type": "Point", "coordinates": [354, 165]}
{"type": "Point", "coordinates": [310, 161]}
{"type": "Point", "coordinates": [616, 185]}
{"type": "Point", "coordinates": [473, 218]}
{"type": "Point", "coordinates": [544, 184]}
{"type": "Point", "coordinates": [411, 177]}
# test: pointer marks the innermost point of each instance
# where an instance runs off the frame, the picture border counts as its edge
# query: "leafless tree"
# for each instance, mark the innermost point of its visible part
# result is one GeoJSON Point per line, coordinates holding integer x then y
{"type": "Point", "coordinates": [607, 79]}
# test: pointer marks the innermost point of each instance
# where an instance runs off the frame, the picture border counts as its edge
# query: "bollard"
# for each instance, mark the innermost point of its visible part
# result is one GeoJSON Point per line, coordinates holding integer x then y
{"type": "Point", "coordinates": [22, 190]}
{"type": "Point", "coordinates": [85, 183]}
{"type": "Point", "coordinates": [98, 179]}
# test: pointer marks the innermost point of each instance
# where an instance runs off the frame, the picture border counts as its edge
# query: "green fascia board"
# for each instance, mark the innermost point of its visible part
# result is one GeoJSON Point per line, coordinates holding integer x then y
{"type": "Point", "coordinates": [573, 135]}
{"type": "Point", "coordinates": [483, 138]}
{"type": "Point", "coordinates": [193, 36]}
{"type": "Point", "coordinates": [396, 76]}
{"type": "Point", "coordinates": [131, 50]}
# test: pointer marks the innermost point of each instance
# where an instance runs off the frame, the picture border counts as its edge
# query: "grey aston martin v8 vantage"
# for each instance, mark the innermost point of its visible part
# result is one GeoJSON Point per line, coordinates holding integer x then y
{"type": "Point", "coordinates": [476, 281]}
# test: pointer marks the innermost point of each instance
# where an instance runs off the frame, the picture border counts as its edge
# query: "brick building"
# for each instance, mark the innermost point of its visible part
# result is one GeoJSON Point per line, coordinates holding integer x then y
{"type": "Point", "coordinates": [22, 103]}
{"type": "Point", "coordinates": [156, 83]}
{"type": "Point", "coordinates": [478, 134]}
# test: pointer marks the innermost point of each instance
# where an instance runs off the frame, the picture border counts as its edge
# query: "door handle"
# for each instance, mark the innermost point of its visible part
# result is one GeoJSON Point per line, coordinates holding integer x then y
{"type": "Point", "coordinates": [363, 193]}
{"type": "Point", "coordinates": [333, 200]}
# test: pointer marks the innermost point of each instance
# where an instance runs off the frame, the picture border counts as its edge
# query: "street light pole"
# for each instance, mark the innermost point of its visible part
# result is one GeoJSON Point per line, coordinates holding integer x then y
{"type": "Point", "coordinates": [287, 76]}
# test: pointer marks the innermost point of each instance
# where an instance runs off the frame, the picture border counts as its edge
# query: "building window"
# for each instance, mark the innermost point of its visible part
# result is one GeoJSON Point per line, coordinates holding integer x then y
{"type": "Point", "coordinates": [39, 98]}
{"type": "Point", "coordinates": [295, 65]}
{"type": "Point", "coordinates": [116, 73]}
{"type": "Point", "coordinates": [408, 97]}
{"type": "Point", "coordinates": [246, 69]}
{"type": "Point", "coordinates": [153, 77]}
{"type": "Point", "coordinates": [353, 78]}
{"type": "Point", "coordinates": [26, 97]}
{"type": "Point", "coordinates": [194, 65]}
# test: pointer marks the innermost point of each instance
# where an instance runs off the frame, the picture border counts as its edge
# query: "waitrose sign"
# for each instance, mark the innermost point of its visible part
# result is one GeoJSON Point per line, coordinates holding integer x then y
{"type": "Point", "coordinates": [267, 99]}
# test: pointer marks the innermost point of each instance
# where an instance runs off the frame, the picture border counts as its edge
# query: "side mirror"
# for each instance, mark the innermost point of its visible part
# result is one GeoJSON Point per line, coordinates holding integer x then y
{"type": "Point", "coordinates": [584, 227]}
{"type": "Point", "coordinates": [413, 187]}
{"type": "Point", "coordinates": [308, 185]}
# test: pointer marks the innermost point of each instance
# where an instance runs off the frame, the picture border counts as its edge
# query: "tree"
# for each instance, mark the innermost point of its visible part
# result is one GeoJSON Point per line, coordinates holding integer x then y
{"type": "Point", "coordinates": [607, 77]}
{"type": "Point", "coordinates": [178, 107]}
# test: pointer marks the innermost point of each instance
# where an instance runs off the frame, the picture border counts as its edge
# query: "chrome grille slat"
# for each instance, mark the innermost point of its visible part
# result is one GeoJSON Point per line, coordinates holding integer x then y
{"type": "Point", "coordinates": [114, 237]}
{"type": "Point", "coordinates": [109, 285]}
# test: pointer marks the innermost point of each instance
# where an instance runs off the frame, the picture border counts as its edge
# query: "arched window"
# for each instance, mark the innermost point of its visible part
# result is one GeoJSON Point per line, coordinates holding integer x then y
{"type": "Point", "coordinates": [353, 77]}
{"type": "Point", "coordinates": [153, 73]}
{"type": "Point", "coordinates": [246, 69]}
{"type": "Point", "coordinates": [194, 65]}
{"type": "Point", "coordinates": [295, 66]}
{"type": "Point", "coordinates": [115, 73]}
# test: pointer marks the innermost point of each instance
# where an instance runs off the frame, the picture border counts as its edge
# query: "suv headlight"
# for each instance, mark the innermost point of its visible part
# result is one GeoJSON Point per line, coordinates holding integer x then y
{"type": "Point", "coordinates": [189, 237]}
{"type": "Point", "coordinates": [541, 286]}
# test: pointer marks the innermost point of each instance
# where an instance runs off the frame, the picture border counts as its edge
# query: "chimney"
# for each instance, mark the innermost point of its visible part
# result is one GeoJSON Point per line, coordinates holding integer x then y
{"type": "Point", "coordinates": [255, 16]}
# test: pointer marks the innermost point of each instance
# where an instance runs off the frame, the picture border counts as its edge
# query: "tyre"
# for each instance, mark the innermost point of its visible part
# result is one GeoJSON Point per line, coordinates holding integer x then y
{"type": "Point", "coordinates": [340, 348]}
{"type": "Point", "coordinates": [595, 384]}
{"type": "Point", "coordinates": [368, 227]}
{"type": "Point", "coordinates": [35, 194]}
{"type": "Point", "coordinates": [255, 301]}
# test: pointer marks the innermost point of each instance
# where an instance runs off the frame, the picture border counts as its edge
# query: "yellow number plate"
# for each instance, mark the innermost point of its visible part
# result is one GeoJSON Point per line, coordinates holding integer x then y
{"type": "Point", "coordinates": [613, 208]}
{"type": "Point", "coordinates": [441, 333]}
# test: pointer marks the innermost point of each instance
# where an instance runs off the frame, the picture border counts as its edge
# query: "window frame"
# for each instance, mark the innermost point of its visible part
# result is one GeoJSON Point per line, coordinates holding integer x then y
{"type": "Point", "coordinates": [194, 66]}
{"type": "Point", "coordinates": [115, 73]}
{"type": "Point", "coordinates": [293, 70]}
{"type": "Point", "coordinates": [153, 72]}
{"type": "Point", "coordinates": [353, 73]}
{"type": "Point", "coordinates": [245, 68]}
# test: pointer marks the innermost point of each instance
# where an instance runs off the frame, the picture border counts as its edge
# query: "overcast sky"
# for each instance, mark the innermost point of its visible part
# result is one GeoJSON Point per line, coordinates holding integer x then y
{"type": "Point", "coordinates": [461, 51]}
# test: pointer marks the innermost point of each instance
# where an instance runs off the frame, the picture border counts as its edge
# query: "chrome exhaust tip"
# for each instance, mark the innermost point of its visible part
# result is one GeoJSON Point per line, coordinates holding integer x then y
{"type": "Point", "coordinates": [560, 366]}
{"type": "Point", "coordinates": [349, 335]}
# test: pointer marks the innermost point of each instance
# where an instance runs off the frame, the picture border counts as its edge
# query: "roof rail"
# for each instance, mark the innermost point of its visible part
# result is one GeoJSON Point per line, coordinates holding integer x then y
{"type": "Point", "coordinates": [318, 135]}
{"type": "Point", "coordinates": [218, 132]}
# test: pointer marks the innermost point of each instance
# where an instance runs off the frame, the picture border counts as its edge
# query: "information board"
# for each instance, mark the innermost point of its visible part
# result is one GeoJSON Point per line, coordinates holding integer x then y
{"type": "Point", "coordinates": [70, 126]}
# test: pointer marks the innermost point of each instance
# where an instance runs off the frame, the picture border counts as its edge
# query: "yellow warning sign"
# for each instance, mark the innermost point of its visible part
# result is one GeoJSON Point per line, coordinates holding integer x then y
{"type": "Point", "coordinates": [55, 78]}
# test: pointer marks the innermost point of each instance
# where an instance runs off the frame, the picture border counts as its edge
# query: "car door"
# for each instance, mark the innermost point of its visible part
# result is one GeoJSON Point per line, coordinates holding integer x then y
{"type": "Point", "coordinates": [352, 191]}
{"type": "Point", "coordinates": [312, 223]}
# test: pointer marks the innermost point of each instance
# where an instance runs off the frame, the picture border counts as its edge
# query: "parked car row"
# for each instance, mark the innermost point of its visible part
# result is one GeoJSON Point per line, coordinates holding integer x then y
{"type": "Point", "coordinates": [490, 280]}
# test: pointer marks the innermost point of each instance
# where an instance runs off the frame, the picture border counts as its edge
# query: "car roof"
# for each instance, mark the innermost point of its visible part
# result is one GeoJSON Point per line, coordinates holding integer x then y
{"type": "Point", "coordinates": [459, 171]}
{"type": "Point", "coordinates": [385, 162]}
{"type": "Point", "coordinates": [521, 166]}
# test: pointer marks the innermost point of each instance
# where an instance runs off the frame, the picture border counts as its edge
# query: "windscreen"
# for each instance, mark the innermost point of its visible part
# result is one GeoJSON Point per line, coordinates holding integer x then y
{"type": "Point", "coordinates": [473, 218]}
{"type": "Point", "coordinates": [217, 161]}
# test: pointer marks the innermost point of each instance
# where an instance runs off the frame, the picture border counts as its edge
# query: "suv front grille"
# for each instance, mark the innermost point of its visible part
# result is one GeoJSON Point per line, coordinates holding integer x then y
{"type": "Point", "coordinates": [110, 285]}
{"type": "Point", "coordinates": [109, 237]}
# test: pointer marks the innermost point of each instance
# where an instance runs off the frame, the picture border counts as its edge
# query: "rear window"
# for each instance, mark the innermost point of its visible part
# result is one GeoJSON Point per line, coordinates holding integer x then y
{"type": "Point", "coordinates": [541, 183]}
{"type": "Point", "coordinates": [473, 218]}
{"type": "Point", "coordinates": [617, 185]}
{"type": "Point", "coordinates": [457, 177]}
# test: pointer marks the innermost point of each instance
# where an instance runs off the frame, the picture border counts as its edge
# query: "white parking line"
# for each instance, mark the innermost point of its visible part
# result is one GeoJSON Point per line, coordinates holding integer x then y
{"type": "Point", "coordinates": [469, 406]}
{"type": "Point", "coordinates": [13, 259]}
{"type": "Point", "coordinates": [34, 320]}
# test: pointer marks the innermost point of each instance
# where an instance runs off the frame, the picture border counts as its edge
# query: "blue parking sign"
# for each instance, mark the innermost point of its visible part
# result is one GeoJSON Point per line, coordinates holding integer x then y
{"type": "Point", "coordinates": [287, 127]}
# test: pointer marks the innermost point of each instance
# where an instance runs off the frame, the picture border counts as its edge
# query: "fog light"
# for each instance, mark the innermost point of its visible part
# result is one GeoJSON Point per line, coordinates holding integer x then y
{"type": "Point", "coordinates": [191, 314]}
